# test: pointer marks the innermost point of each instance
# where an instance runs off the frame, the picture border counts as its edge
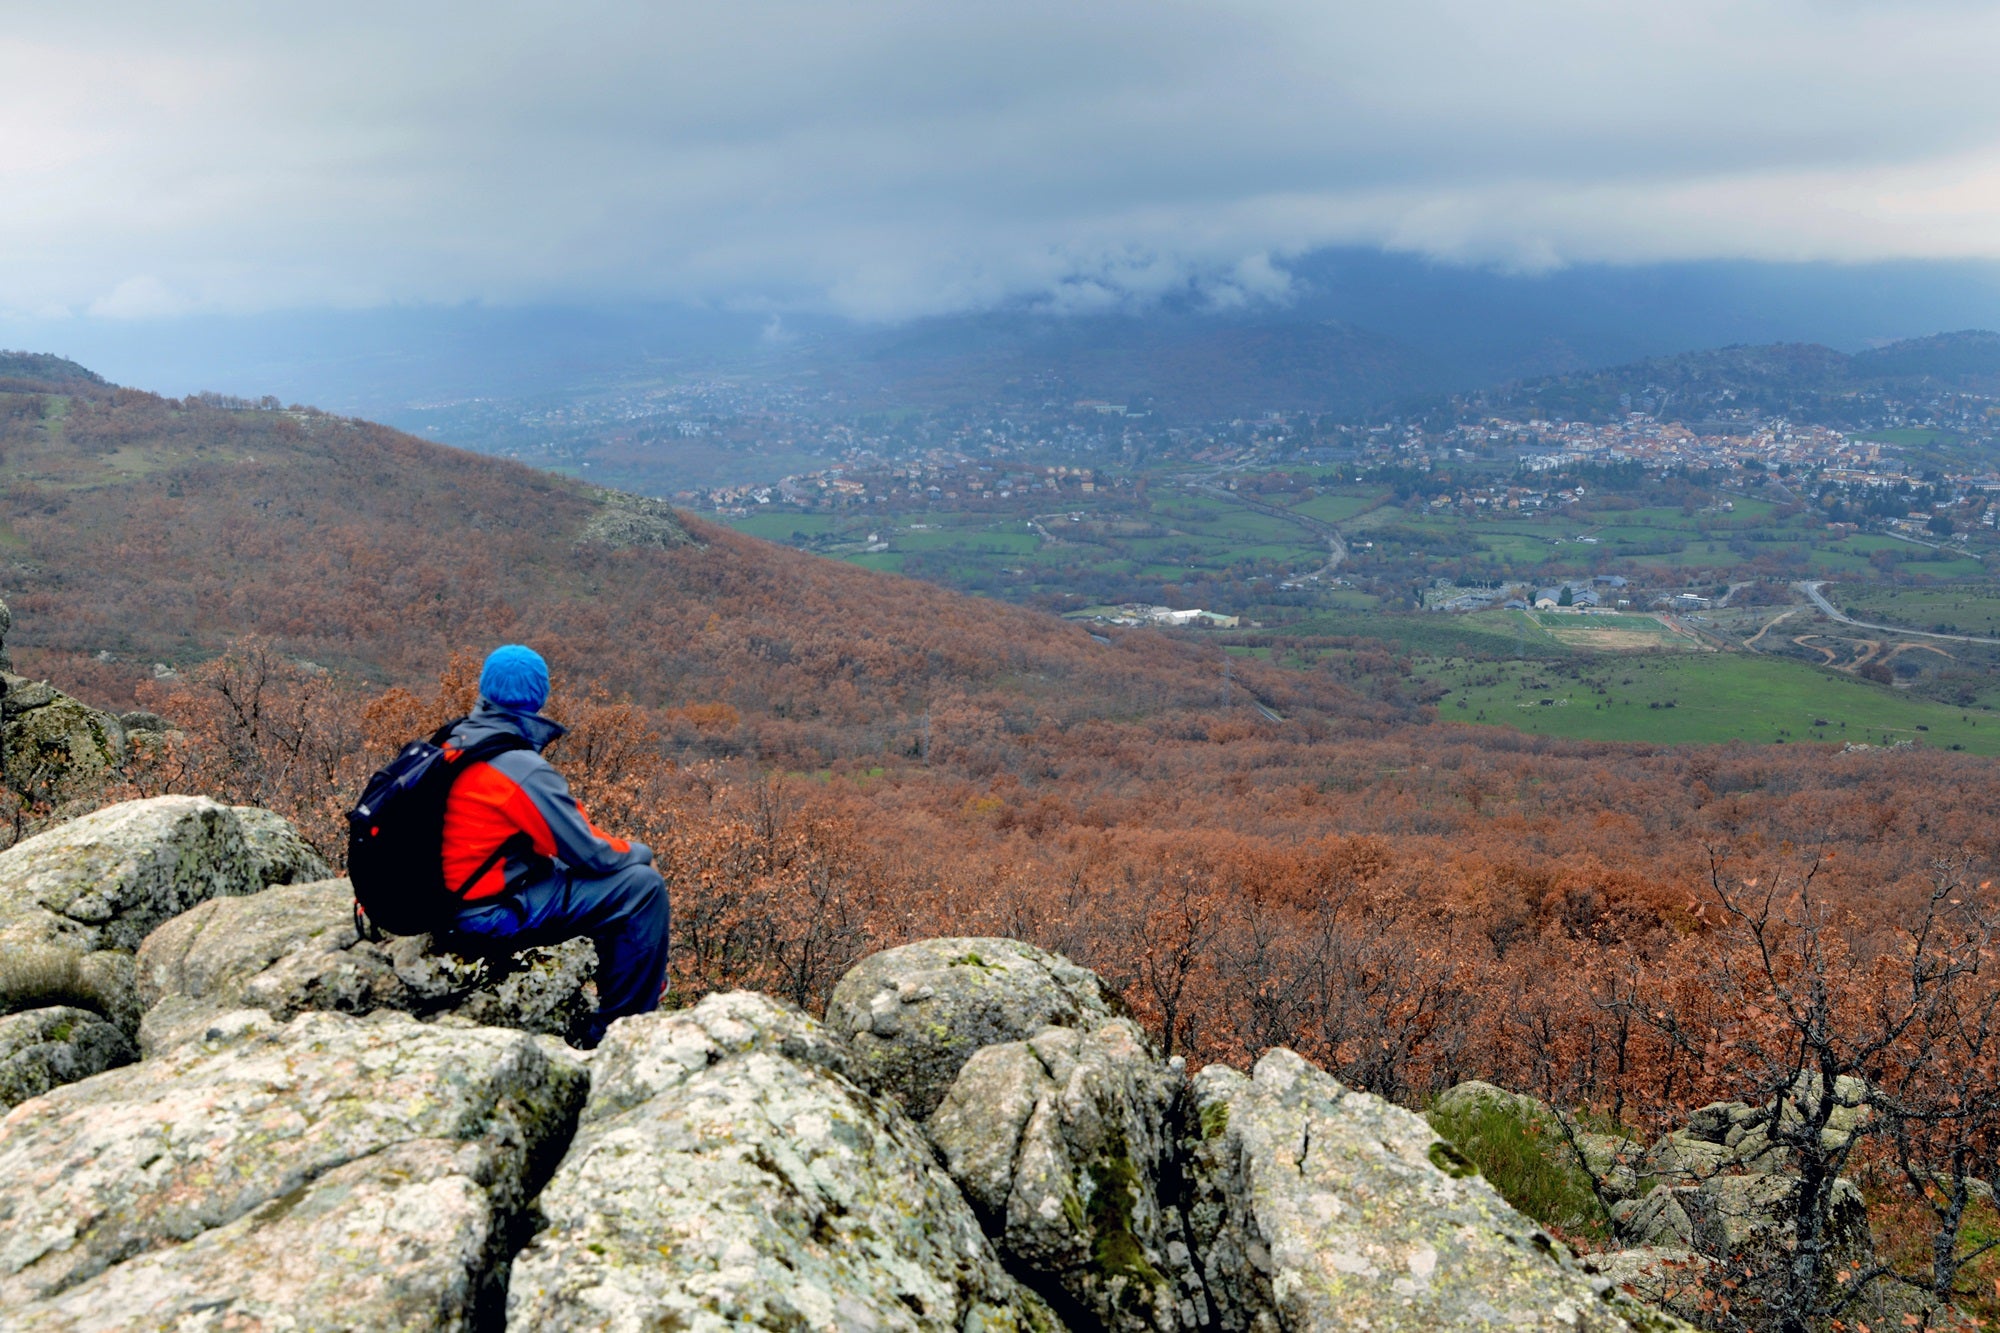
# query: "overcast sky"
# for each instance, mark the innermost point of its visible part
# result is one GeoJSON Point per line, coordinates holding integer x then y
{"type": "Point", "coordinates": [886, 160]}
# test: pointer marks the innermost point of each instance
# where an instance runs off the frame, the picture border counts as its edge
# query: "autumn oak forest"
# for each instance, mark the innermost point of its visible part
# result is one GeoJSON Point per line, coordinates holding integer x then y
{"type": "Point", "coordinates": [829, 760]}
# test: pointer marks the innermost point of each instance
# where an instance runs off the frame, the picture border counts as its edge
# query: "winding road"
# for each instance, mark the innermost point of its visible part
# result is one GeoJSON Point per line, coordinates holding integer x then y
{"type": "Point", "coordinates": [1811, 588]}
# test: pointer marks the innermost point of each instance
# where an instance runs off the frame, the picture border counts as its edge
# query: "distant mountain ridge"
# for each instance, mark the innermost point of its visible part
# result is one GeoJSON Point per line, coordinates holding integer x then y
{"type": "Point", "coordinates": [1351, 325]}
{"type": "Point", "coordinates": [33, 370]}
{"type": "Point", "coordinates": [1776, 377]}
{"type": "Point", "coordinates": [1968, 360]}
{"type": "Point", "coordinates": [1191, 369]}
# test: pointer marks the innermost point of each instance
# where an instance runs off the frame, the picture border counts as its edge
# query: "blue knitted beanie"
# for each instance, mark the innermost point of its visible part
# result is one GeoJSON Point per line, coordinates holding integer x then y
{"type": "Point", "coordinates": [515, 678]}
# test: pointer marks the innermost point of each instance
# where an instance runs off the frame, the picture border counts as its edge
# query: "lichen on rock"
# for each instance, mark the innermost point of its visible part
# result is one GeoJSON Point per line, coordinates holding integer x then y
{"type": "Point", "coordinates": [42, 1049]}
{"type": "Point", "coordinates": [1318, 1207]}
{"type": "Point", "coordinates": [328, 1173]}
{"type": "Point", "coordinates": [727, 1174]}
{"type": "Point", "coordinates": [55, 746]}
{"type": "Point", "coordinates": [915, 1014]}
{"type": "Point", "coordinates": [280, 854]}
{"type": "Point", "coordinates": [104, 881]}
{"type": "Point", "coordinates": [294, 948]}
{"type": "Point", "coordinates": [77, 899]}
{"type": "Point", "coordinates": [1066, 1145]}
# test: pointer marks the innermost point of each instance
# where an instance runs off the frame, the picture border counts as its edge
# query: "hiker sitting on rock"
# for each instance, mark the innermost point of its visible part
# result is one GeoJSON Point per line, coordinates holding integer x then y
{"type": "Point", "coordinates": [539, 871]}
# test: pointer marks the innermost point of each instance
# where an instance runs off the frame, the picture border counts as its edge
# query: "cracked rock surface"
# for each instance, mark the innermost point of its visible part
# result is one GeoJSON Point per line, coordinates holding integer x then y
{"type": "Point", "coordinates": [330, 1173]}
{"type": "Point", "coordinates": [293, 948]}
{"type": "Point", "coordinates": [1065, 1145]}
{"type": "Point", "coordinates": [1317, 1207]}
{"type": "Point", "coordinates": [915, 1014]}
{"type": "Point", "coordinates": [728, 1174]}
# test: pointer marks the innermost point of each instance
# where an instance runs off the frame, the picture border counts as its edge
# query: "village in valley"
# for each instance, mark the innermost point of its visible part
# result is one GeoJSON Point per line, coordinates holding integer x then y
{"type": "Point", "coordinates": [1666, 513]}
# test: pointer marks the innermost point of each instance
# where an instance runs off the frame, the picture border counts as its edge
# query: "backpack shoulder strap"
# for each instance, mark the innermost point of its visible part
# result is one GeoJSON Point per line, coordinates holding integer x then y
{"type": "Point", "coordinates": [481, 751]}
{"type": "Point", "coordinates": [520, 842]}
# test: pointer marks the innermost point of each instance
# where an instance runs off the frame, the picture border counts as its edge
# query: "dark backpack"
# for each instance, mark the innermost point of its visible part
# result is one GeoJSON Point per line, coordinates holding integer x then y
{"type": "Point", "coordinates": [395, 836]}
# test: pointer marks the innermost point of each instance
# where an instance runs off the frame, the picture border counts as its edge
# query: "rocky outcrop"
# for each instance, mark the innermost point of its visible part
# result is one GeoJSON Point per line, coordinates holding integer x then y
{"type": "Point", "coordinates": [1661, 1277]}
{"type": "Point", "coordinates": [1718, 1189]}
{"type": "Point", "coordinates": [77, 899]}
{"type": "Point", "coordinates": [1571, 1175]}
{"type": "Point", "coordinates": [728, 1174]}
{"type": "Point", "coordinates": [1746, 1215]}
{"type": "Point", "coordinates": [1738, 1136]}
{"type": "Point", "coordinates": [280, 855]}
{"type": "Point", "coordinates": [52, 746]}
{"type": "Point", "coordinates": [1279, 1201]}
{"type": "Point", "coordinates": [1066, 1146]}
{"type": "Point", "coordinates": [1612, 1162]}
{"type": "Point", "coordinates": [46, 1048]}
{"type": "Point", "coordinates": [56, 746]}
{"type": "Point", "coordinates": [623, 520]}
{"type": "Point", "coordinates": [1475, 1095]}
{"type": "Point", "coordinates": [1741, 1214]}
{"type": "Point", "coordinates": [1318, 1207]}
{"type": "Point", "coordinates": [104, 881]}
{"type": "Point", "coordinates": [331, 1132]}
{"type": "Point", "coordinates": [294, 948]}
{"type": "Point", "coordinates": [330, 1173]}
{"type": "Point", "coordinates": [1659, 1218]}
{"type": "Point", "coordinates": [914, 1015]}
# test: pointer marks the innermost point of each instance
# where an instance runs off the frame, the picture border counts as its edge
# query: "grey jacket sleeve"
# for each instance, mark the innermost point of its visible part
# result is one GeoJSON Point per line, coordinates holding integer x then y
{"type": "Point", "coordinates": [572, 838]}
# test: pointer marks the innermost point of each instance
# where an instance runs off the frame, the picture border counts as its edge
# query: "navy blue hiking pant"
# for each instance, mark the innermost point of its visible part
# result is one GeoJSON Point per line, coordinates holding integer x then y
{"type": "Point", "coordinates": [625, 915]}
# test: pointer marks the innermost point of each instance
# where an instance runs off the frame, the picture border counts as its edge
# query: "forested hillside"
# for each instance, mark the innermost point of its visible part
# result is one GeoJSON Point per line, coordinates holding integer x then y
{"type": "Point", "coordinates": [141, 529]}
{"type": "Point", "coordinates": [1816, 382]}
{"type": "Point", "coordinates": [829, 760]}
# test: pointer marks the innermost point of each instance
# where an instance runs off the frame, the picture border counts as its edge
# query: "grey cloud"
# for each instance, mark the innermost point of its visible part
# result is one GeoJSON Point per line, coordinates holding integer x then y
{"type": "Point", "coordinates": [890, 159]}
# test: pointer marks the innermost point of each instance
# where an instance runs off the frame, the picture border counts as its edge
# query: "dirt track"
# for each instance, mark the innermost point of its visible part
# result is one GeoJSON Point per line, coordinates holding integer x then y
{"type": "Point", "coordinates": [1770, 625]}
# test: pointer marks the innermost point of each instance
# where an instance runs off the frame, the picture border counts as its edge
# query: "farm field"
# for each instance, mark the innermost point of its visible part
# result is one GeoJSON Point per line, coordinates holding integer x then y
{"type": "Point", "coordinates": [783, 527]}
{"type": "Point", "coordinates": [1169, 534]}
{"type": "Point", "coordinates": [1489, 634]}
{"type": "Point", "coordinates": [1699, 698]}
{"type": "Point", "coordinates": [1338, 508]}
{"type": "Point", "coordinates": [1612, 633]}
{"type": "Point", "coordinates": [1650, 677]}
{"type": "Point", "coordinates": [1177, 536]}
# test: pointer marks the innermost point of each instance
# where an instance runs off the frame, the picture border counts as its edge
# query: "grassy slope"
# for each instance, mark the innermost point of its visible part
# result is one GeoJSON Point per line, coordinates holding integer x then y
{"type": "Point", "coordinates": [1973, 609]}
{"type": "Point", "coordinates": [1714, 697]}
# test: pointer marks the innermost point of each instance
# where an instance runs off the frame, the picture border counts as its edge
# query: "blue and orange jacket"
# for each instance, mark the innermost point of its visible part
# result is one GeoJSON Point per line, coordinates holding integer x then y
{"type": "Point", "coordinates": [519, 796]}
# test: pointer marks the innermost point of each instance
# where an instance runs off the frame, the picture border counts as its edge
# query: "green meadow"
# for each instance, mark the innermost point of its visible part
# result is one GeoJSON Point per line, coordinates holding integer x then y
{"type": "Point", "coordinates": [1699, 698]}
{"type": "Point", "coordinates": [1954, 609]}
{"type": "Point", "coordinates": [1624, 677]}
